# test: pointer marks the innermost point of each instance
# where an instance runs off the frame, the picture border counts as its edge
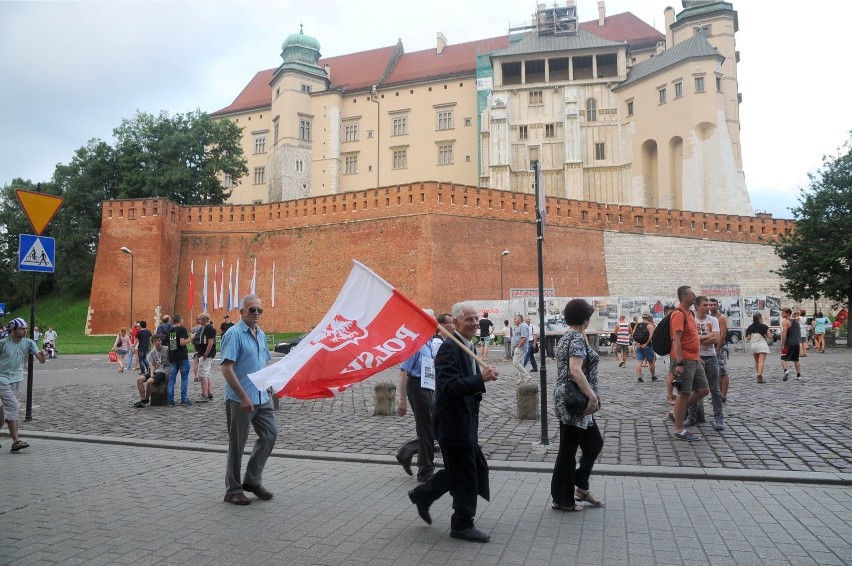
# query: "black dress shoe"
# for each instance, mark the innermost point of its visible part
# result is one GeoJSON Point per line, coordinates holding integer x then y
{"type": "Point", "coordinates": [260, 491]}
{"type": "Point", "coordinates": [422, 508]}
{"type": "Point", "coordinates": [405, 465]}
{"type": "Point", "coordinates": [471, 534]}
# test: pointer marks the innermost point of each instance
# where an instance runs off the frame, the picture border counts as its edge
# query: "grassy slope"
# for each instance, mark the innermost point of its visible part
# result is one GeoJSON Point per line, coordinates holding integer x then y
{"type": "Point", "coordinates": [67, 315]}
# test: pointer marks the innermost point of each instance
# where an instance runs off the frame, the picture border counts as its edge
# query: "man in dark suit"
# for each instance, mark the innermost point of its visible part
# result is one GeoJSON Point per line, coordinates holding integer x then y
{"type": "Point", "coordinates": [459, 385]}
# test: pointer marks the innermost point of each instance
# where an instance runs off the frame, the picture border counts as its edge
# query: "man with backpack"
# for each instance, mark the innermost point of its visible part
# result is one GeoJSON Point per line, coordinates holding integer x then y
{"type": "Point", "coordinates": [644, 351]}
{"type": "Point", "coordinates": [689, 377]}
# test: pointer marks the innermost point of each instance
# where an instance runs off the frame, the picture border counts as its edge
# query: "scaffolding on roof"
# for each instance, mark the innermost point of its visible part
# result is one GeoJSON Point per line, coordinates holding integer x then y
{"type": "Point", "coordinates": [554, 20]}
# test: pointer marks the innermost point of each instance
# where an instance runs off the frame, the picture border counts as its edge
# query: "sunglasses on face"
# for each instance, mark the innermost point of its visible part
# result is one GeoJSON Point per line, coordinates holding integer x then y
{"type": "Point", "coordinates": [255, 310]}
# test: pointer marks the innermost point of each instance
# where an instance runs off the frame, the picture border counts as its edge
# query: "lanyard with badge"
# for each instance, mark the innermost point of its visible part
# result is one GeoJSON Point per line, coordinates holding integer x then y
{"type": "Point", "coordinates": [427, 371]}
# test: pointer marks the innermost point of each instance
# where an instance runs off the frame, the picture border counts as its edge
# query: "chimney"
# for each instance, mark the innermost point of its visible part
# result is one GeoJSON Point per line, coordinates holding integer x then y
{"type": "Point", "coordinates": [669, 15]}
{"type": "Point", "coordinates": [601, 13]}
{"type": "Point", "coordinates": [327, 68]}
{"type": "Point", "coordinates": [442, 42]}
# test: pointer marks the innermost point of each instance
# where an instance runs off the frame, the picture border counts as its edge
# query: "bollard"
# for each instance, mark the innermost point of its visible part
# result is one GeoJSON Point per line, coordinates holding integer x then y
{"type": "Point", "coordinates": [528, 401]}
{"type": "Point", "coordinates": [159, 394]}
{"type": "Point", "coordinates": [699, 412]}
{"type": "Point", "coordinates": [384, 395]}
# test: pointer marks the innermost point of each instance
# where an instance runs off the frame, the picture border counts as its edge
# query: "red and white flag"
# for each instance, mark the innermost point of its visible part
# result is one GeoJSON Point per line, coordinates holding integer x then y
{"type": "Point", "coordinates": [191, 285]}
{"type": "Point", "coordinates": [370, 327]}
{"type": "Point", "coordinates": [204, 289]}
{"type": "Point", "coordinates": [253, 284]}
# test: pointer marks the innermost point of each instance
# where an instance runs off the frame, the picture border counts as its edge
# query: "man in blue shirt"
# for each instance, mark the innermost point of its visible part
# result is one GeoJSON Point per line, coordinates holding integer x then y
{"type": "Point", "coordinates": [420, 394]}
{"type": "Point", "coordinates": [244, 351]}
{"type": "Point", "coordinates": [14, 350]}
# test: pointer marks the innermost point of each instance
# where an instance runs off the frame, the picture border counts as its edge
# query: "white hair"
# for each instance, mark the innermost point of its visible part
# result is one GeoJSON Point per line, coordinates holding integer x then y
{"type": "Point", "coordinates": [458, 309]}
{"type": "Point", "coordinates": [247, 299]}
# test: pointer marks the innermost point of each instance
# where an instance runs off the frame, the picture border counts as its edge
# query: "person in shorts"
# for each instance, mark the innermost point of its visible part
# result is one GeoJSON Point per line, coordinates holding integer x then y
{"type": "Point", "coordinates": [14, 349]}
{"type": "Point", "coordinates": [689, 377]}
{"type": "Point", "coordinates": [645, 352]}
{"type": "Point", "coordinates": [158, 368]}
{"type": "Point", "coordinates": [790, 336]}
{"type": "Point", "coordinates": [206, 354]}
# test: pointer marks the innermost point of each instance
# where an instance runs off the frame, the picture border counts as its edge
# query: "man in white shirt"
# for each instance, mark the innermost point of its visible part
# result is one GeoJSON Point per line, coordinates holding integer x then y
{"type": "Point", "coordinates": [708, 336]}
{"type": "Point", "coordinates": [530, 356]}
{"type": "Point", "coordinates": [520, 338]}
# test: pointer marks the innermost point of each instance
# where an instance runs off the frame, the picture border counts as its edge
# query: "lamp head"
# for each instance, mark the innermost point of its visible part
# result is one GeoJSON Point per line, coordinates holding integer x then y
{"type": "Point", "coordinates": [505, 253]}
{"type": "Point", "coordinates": [126, 250]}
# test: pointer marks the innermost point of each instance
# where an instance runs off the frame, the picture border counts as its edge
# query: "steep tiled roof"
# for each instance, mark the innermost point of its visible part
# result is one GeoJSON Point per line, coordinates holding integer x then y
{"type": "Point", "coordinates": [255, 95]}
{"type": "Point", "coordinates": [696, 46]}
{"type": "Point", "coordinates": [358, 70]}
{"type": "Point", "coordinates": [625, 27]}
{"type": "Point", "coordinates": [452, 61]}
{"type": "Point", "coordinates": [533, 43]}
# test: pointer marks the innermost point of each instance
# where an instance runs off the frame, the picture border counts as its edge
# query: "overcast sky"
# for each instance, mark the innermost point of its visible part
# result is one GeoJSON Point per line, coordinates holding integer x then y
{"type": "Point", "coordinates": [72, 70]}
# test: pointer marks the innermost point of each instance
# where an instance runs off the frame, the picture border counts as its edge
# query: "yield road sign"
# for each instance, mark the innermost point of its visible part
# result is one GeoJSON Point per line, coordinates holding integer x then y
{"type": "Point", "coordinates": [39, 208]}
{"type": "Point", "coordinates": [36, 253]}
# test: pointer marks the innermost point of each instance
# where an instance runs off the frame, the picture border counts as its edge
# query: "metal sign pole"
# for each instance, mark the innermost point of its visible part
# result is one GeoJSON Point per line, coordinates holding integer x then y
{"type": "Point", "coordinates": [542, 369]}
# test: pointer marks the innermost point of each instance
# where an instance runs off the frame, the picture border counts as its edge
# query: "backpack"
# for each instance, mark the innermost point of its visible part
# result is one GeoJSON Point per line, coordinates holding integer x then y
{"type": "Point", "coordinates": [641, 334]}
{"type": "Point", "coordinates": [662, 339]}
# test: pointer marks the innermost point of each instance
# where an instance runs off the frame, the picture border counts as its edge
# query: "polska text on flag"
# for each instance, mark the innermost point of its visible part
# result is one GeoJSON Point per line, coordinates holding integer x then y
{"type": "Point", "coordinates": [370, 327]}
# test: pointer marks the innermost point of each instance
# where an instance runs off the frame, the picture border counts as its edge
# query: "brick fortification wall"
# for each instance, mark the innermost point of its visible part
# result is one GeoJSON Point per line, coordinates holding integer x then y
{"type": "Point", "coordinates": [437, 243]}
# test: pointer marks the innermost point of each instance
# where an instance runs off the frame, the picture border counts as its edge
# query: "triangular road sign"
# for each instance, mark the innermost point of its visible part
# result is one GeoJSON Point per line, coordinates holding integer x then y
{"type": "Point", "coordinates": [39, 208]}
{"type": "Point", "coordinates": [36, 255]}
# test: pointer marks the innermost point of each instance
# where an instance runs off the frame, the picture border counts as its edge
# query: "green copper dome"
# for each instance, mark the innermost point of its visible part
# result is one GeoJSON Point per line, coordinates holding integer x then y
{"type": "Point", "coordinates": [300, 48]}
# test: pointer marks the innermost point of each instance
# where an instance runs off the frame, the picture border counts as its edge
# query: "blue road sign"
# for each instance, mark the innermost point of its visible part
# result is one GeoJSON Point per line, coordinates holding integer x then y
{"type": "Point", "coordinates": [36, 253]}
{"type": "Point", "coordinates": [2, 309]}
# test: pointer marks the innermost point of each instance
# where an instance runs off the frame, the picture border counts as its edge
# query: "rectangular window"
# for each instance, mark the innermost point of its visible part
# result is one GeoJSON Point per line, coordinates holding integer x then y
{"type": "Point", "coordinates": [630, 108]}
{"type": "Point", "coordinates": [699, 84]}
{"type": "Point", "coordinates": [600, 151]}
{"type": "Point", "coordinates": [300, 166]}
{"type": "Point", "coordinates": [275, 129]}
{"type": "Point", "coordinates": [662, 92]}
{"type": "Point", "coordinates": [445, 154]}
{"type": "Point", "coordinates": [550, 130]}
{"type": "Point", "coordinates": [351, 165]}
{"type": "Point", "coordinates": [445, 120]}
{"type": "Point", "coordinates": [523, 132]}
{"type": "Point", "coordinates": [467, 122]}
{"type": "Point", "coordinates": [259, 175]}
{"type": "Point", "coordinates": [400, 158]}
{"type": "Point", "coordinates": [227, 180]}
{"type": "Point", "coordinates": [718, 84]}
{"type": "Point", "coordinates": [350, 133]}
{"type": "Point", "coordinates": [678, 90]}
{"type": "Point", "coordinates": [259, 144]}
{"type": "Point", "coordinates": [536, 98]}
{"type": "Point", "coordinates": [400, 126]}
{"type": "Point", "coordinates": [306, 89]}
{"type": "Point", "coordinates": [305, 129]}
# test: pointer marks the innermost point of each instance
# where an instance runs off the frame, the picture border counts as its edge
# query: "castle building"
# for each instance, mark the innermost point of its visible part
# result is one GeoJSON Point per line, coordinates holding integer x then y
{"type": "Point", "coordinates": [614, 112]}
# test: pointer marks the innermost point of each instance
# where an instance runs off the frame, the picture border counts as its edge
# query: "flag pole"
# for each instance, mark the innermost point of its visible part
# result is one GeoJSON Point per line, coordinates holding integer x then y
{"type": "Point", "coordinates": [447, 334]}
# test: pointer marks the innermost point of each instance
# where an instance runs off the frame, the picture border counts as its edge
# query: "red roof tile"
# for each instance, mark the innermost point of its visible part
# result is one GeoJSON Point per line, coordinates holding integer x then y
{"type": "Point", "coordinates": [358, 70]}
{"type": "Point", "coordinates": [624, 27]}
{"type": "Point", "coordinates": [256, 95]}
{"type": "Point", "coordinates": [454, 60]}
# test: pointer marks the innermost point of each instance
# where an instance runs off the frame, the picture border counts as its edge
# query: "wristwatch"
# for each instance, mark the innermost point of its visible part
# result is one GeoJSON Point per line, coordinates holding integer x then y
{"type": "Point", "coordinates": [680, 363]}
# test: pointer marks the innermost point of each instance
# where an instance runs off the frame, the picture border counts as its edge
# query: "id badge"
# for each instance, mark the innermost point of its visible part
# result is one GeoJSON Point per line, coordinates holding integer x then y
{"type": "Point", "coordinates": [427, 373]}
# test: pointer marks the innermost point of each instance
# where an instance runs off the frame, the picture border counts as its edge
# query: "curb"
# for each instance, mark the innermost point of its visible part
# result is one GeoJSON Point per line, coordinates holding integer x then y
{"type": "Point", "coordinates": [670, 472]}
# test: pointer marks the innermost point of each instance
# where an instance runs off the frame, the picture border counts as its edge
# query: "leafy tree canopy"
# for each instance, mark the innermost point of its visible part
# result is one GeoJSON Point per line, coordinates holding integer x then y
{"type": "Point", "coordinates": [176, 157]}
{"type": "Point", "coordinates": [817, 249]}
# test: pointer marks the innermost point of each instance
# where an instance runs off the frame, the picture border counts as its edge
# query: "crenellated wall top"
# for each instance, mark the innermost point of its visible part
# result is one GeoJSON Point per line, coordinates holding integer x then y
{"type": "Point", "coordinates": [449, 199]}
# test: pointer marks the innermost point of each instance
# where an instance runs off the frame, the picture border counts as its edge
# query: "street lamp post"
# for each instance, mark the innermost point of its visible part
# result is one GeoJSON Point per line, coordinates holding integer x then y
{"type": "Point", "coordinates": [504, 254]}
{"type": "Point", "coordinates": [130, 253]}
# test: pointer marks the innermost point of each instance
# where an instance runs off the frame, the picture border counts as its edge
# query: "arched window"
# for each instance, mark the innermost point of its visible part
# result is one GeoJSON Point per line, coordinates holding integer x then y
{"type": "Point", "coordinates": [591, 110]}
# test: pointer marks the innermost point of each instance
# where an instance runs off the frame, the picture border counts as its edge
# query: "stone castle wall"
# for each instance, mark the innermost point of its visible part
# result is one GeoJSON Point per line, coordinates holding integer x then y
{"type": "Point", "coordinates": [438, 243]}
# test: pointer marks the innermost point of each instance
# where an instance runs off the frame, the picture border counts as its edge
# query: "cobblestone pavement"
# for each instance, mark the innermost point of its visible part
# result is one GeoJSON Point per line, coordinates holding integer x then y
{"type": "Point", "coordinates": [82, 503]}
{"type": "Point", "coordinates": [794, 426]}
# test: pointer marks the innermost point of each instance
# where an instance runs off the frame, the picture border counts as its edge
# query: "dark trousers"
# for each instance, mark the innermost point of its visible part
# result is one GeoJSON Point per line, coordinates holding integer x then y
{"type": "Point", "coordinates": [420, 401]}
{"type": "Point", "coordinates": [460, 477]}
{"type": "Point", "coordinates": [262, 419]}
{"type": "Point", "coordinates": [143, 360]}
{"type": "Point", "coordinates": [565, 473]}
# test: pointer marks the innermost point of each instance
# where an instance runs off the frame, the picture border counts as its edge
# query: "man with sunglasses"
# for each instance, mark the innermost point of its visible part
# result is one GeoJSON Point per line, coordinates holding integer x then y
{"type": "Point", "coordinates": [244, 351]}
{"type": "Point", "coordinates": [14, 349]}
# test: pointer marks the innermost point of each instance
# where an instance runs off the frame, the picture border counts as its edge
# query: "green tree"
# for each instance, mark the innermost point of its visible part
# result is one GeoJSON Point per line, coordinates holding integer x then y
{"type": "Point", "coordinates": [14, 285]}
{"type": "Point", "coordinates": [816, 251]}
{"type": "Point", "coordinates": [178, 157]}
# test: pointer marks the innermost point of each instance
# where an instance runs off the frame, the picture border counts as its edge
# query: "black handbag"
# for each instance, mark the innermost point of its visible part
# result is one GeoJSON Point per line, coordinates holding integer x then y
{"type": "Point", "coordinates": [575, 400]}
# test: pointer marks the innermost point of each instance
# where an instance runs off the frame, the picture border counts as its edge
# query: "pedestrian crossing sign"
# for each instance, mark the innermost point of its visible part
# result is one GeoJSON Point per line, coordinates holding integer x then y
{"type": "Point", "coordinates": [36, 253]}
